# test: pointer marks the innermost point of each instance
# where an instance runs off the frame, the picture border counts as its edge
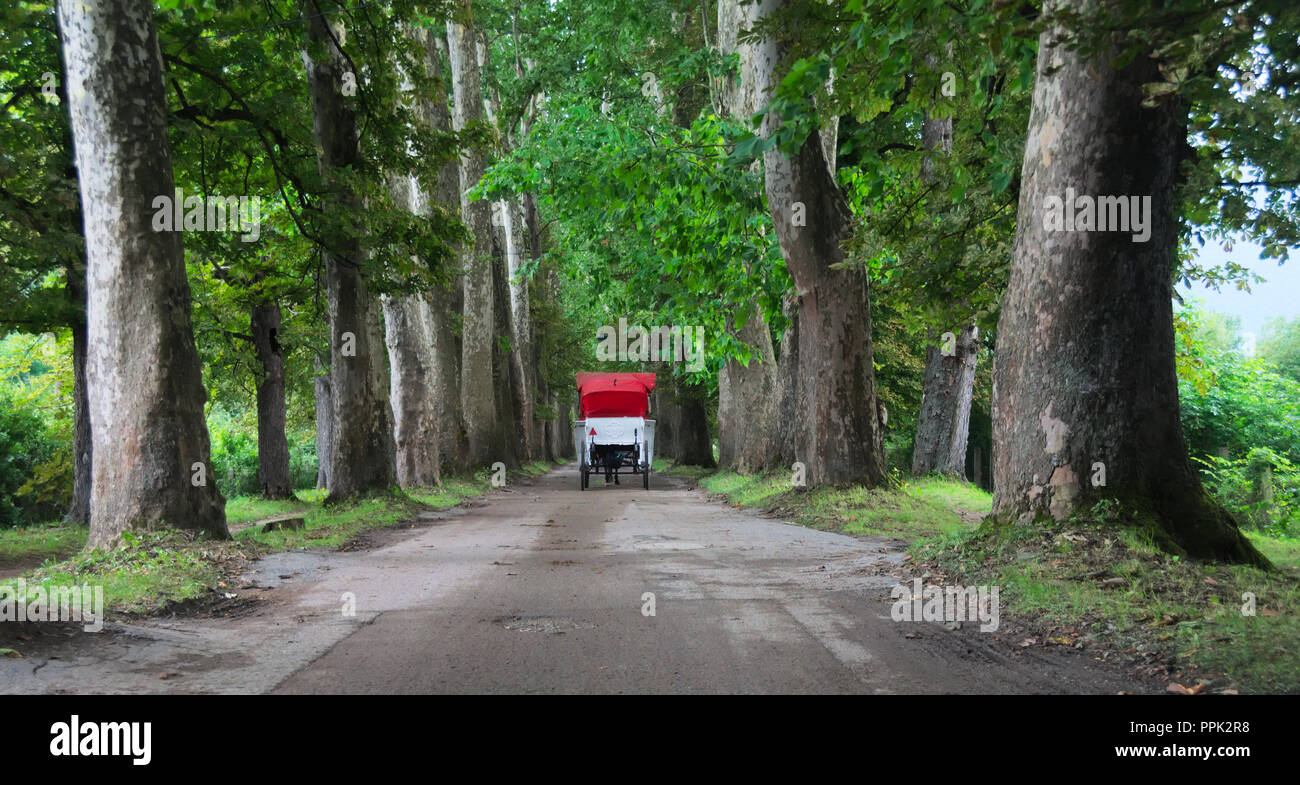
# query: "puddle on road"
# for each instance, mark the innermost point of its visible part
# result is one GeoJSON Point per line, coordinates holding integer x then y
{"type": "Point", "coordinates": [552, 624]}
{"type": "Point", "coordinates": [664, 544]}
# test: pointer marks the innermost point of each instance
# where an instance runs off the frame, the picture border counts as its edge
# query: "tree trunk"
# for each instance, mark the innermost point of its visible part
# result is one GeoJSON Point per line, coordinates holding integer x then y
{"type": "Point", "coordinates": [324, 429]}
{"type": "Point", "coordinates": [943, 423]}
{"type": "Point", "coordinates": [1084, 375]}
{"type": "Point", "coordinates": [442, 302]}
{"type": "Point", "coordinates": [362, 455]}
{"type": "Point", "coordinates": [694, 447]}
{"type": "Point", "coordinates": [272, 443]}
{"type": "Point", "coordinates": [747, 400]}
{"type": "Point", "coordinates": [152, 467]}
{"type": "Point", "coordinates": [415, 418]}
{"type": "Point", "coordinates": [75, 271]}
{"type": "Point", "coordinates": [504, 372]}
{"type": "Point", "coordinates": [478, 316]}
{"type": "Point", "coordinates": [838, 426]}
{"type": "Point", "coordinates": [520, 333]}
{"type": "Point", "coordinates": [409, 337]}
{"type": "Point", "coordinates": [664, 410]}
{"type": "Point", "coordinates": [781, 450]}
{"type": "Point", "coordinates": [746, 393]}
{"type": "Point", "coordinates": [566, 430]}
{"type": "Point", "coordinates": [82, 446]}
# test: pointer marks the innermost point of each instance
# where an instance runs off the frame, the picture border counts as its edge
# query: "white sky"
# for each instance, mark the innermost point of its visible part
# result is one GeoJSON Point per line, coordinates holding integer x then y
{"type": "Point", "coordinates": [1278, 295]}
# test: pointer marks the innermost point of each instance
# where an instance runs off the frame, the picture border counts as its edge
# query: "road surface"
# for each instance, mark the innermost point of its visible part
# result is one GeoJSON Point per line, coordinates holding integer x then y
{"type": "Point", "coordinates": [543, 588]}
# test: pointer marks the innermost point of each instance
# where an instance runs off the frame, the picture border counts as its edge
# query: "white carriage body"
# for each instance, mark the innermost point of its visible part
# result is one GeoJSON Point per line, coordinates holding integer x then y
{"type": "Point", "coordinates": [614, 430]}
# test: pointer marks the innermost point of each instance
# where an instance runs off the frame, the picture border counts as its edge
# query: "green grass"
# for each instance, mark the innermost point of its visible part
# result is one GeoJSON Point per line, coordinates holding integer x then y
{"type": "Point", "coordinates": [333, 526]}
{"type": "Point", "coordinates": [1097, 582]}
{"type": "Point", "coordinates": [1103, 582]}
{"type": "Point", "coordinates": [928, 506]}
{"type": "Point", "coordinates": [30, 545]}
{"type": "Point", "coordinates": [152, 572]}
{"type": "Point", "coordinates": [1284, 553]}
{"type": "Point", "coordinates": [246, 509]}
{"type": "Point", "coordinates": [666, 466]}
{"type": "Point", "coordinates": [146, 573]}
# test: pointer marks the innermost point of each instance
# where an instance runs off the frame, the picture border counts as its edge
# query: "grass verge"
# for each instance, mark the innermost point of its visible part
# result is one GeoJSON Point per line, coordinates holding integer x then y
{"type": "Point", "coordinates": [157, 572]}
{"type": "Point", "coordinates": [1094, 582]}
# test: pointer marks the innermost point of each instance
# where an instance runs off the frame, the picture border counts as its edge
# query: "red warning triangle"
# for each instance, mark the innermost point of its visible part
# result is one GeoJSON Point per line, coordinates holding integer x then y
{"type": "Point", "coordinates": [593, 432]}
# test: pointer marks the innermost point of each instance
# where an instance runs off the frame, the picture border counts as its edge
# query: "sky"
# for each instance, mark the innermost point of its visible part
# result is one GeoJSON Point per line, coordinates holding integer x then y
{"type": "Point", "coordinates": [1278, 295]}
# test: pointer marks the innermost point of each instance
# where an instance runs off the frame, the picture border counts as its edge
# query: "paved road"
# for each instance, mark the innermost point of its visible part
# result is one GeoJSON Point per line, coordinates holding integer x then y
{"type": "Point", "coordinates": [540, 589]}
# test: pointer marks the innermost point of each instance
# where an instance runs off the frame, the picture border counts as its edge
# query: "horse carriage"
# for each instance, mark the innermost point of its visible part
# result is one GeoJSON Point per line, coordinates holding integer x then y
{"type": "Point", "coordinates": [612, 434]}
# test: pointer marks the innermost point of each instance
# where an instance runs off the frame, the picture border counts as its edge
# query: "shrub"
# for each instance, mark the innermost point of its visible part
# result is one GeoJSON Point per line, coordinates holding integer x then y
{"type": "Point", "coordinates": [1261, 489]}
{"type": "Point", "coordinates": [26, 445]}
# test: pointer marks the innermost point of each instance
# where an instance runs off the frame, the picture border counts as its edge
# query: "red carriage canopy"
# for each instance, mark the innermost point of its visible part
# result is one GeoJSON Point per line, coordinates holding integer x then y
{"type": "Point", "coordinates": [614, 394]}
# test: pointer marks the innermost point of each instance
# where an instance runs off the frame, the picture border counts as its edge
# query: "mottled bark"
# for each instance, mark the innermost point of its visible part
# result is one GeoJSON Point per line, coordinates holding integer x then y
{"type": "Point", "coordinates": [943, 422]}
{"type": "Point", "coordinates": [324, 429]}
{"type": "Point", "coordinates": [75, 272]}
{"type": "Point", "coordinates": [838, 427]}
{"type": "Point", "coordinates": [408, 335]}
{"type": "Point", "coordinates": [1084, 372]}
{"type": "Point", "coordinates": [784, 434]}
{"type": "Point", "coordinates": [362, 454]}
{"type": "Point", "coordinates": [415, 420]}
{"type": "Point", "coordinates": [747, 400]}
{"type": "Point", "coordinates": [441, 302]}
{"type": "Point", "coordinates": [272, 442]}
{"type": "Point", "coordinates": [521, 348]}
{"type": "Point", "coordinates": [151, 467]}
{"type": "Point", "coordinates": [746, 392]}
{"type": "Point", "coordinates": [478, 314]}
{"type": "Point", "coordinates": [82, 442]}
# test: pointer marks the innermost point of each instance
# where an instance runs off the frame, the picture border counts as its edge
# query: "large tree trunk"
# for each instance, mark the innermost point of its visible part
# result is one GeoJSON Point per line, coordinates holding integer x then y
{"type": "Point", "coordinates": [664, 410]}
{"type": "Point", "coordinates": [1084, 375]}
{"type": "Point", "coordinates": [272, 443]}
{"type": "Point", "coordinates": [441, 302]}
{"type": "Point", "coordinates": [694, 447]}
{"type": "Point", "coordinates": [839, 434]}
{"type": "Point", "coordinates": [943, 423]}
{"type": "Point", "coordinates": [781, 449]}
{"type": "Point", "coordinates": [82, 446]}
{"type": "Point", "coordinates": [521, 361]}
{"type": "Point", "coordinates": [478, 316]}
{"type": "Point", "coordinates": [362, 455]}
{"type": "Point", "coordinates": [75, 270]}
{"type": "Point", "coordinates": [415, 418]}
{"type": "Point", "coordinates": [504, 374]}
{"type": "Point", "coordinates": [746, 393]}
{"type": "Point", "coordinates": [151, 465]}
{"type": "Point", "coordinates": [324, 429]}
{"type": "Point", "coordinates": [409, 337]}
{"type": "Point", "coordinates": [747, 400]}
{"type": "Point", "coordinates": [546, 311]}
